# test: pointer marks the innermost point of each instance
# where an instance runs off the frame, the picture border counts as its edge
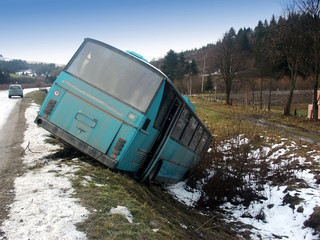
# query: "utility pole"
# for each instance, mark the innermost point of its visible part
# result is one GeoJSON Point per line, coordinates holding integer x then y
{"type": "Point", "coordinates": [190, 91]}
{"type": "Point", "coordinates": [190, 85]}
{"type": "Point", "coordinates": [203, 71]}
{"type": "Point", "coordinates": [215, 90]}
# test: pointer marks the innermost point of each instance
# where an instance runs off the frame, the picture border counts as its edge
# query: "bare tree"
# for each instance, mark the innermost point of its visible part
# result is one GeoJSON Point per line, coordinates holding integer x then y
{"type": "Point", "coordinates": [228, 61]}
{"type": "Point", "coordinates": [311, 11]}
{"type": "Point", "coordinates": [266, 63]}
{"type": "Point", "coordinates": [287, 45]}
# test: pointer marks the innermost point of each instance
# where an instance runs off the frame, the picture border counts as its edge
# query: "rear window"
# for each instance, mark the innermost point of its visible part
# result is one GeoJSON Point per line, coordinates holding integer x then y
{"type": "Point", "coordinates": [117, 74]}
{"type": "Point", "coordinates": [16, 87]}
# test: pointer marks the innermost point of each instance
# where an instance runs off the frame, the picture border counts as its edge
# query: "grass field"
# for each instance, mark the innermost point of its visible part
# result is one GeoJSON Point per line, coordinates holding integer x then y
{"type": "Point", "coordinates": [223, 119]}
{"type": "Point", "coordinates": [18, 76]}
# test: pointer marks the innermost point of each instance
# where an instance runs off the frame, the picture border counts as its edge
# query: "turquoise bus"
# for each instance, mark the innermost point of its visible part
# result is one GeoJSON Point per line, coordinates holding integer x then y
{"type": "Point", "coordinates": [117, 108]}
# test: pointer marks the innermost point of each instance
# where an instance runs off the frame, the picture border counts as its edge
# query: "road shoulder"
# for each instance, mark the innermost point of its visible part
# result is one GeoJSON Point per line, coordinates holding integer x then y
{"type": "Point", "coordinates": [11, 138]}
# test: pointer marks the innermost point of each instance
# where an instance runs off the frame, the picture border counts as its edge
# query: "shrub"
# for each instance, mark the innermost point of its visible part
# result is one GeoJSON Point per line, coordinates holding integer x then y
{"type": "Point", "coordinates": [229, 170]}
{"type": "Point", "coordinates": [231, 175]}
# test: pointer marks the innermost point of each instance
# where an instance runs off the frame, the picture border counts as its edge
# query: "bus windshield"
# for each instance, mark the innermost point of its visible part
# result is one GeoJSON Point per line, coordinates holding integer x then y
{"type": "Point", "coordinates": [116, 74]}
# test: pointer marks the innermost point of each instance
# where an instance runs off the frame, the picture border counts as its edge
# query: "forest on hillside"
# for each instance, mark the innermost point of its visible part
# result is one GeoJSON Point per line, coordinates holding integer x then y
{"type": "Point", "coordinates": [286, 48]}
{"type": "Point", "coordinates": [40, 71]}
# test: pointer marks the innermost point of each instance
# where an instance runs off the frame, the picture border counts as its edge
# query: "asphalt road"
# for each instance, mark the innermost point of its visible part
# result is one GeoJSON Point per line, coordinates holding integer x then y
{"type": "Point", "coordinates": [12, 127]}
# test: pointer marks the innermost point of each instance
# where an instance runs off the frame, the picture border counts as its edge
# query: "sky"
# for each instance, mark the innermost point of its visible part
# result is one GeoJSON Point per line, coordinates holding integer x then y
{"type": "Point", "coordinates": [52, 30]}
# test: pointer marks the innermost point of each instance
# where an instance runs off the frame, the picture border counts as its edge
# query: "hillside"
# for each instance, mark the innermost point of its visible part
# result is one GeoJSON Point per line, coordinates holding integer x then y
{"type": "Point", "coordinates": [26, 73]}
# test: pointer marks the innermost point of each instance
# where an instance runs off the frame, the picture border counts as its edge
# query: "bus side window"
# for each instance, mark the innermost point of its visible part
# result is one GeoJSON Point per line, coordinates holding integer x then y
{"type": "Point", "coordinates": [181, 124]}
{"type": "Point", "coordinates": [202, 143]}
{"type": "Point", "coordinates": [166, 103]}
{"type": "Point", "coordinates": [188, 132]}
{"type": "Point", "coordinates": [196, 138]}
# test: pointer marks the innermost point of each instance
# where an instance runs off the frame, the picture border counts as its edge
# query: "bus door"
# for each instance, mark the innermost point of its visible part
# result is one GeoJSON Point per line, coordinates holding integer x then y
{"type": "Point", "coordinates": [169, 110]}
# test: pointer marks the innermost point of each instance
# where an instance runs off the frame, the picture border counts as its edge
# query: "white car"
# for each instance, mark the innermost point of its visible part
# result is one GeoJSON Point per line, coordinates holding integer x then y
{"type": "Point", "coordinates": [15, 90]}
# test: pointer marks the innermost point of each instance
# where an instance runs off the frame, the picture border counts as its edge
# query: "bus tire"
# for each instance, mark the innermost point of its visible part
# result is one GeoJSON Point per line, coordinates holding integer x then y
{"type": "Point", "coordinates": [154, 172]}
{"type": "Point", "coordinates": [186, 175]}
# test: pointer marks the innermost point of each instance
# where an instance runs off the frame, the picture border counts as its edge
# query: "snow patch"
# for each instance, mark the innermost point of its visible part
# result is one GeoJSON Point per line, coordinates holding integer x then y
{"type": "Point", "coordinates": [182, 194]}
{"type": "Point", "coordinates": [122, 211]}
{"type": "Point", "coordinates": [270, 218]}
{"type": "Point", "coordinates": [43, 207]}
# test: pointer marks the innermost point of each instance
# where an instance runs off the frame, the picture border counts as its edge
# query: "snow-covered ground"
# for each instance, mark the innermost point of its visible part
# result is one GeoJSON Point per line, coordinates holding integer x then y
{"type": "Point", "coordinates": [280, 220]}
{"type": "Point", "coordinates": [44, 207]}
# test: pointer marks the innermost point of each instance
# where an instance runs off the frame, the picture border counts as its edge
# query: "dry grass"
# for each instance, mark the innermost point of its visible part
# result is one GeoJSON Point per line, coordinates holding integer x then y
{"type": "Point", "coordinates": [314, 220]}
{"type": "Point", "coordinates": [236, 168]}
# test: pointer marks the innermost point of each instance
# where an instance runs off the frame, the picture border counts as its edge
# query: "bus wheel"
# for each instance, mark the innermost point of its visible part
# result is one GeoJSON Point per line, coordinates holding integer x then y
{"type": "Point", "coordinates": [154, 172]}
{"type": "Point", "coordinates": [186, 175]}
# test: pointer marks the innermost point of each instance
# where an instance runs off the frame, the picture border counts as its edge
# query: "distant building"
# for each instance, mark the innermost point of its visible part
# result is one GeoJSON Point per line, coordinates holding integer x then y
{"type": "Point", "coordinates": [310, 107]}
{"type": "Point", "coordinates": [28, 72]}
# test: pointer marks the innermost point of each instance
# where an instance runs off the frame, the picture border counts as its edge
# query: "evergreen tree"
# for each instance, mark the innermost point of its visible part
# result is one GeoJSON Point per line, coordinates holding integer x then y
{"type": "Point", "coordinates": [170, 65]}
{"type": "Point", "coordinates": [243, 39]}
{"type": "Point", "coordinates": [174, 65]}
{"type": "Point", "coordinates": [182, 66]}
{"type": "Point", "coordinates": [4, 77]}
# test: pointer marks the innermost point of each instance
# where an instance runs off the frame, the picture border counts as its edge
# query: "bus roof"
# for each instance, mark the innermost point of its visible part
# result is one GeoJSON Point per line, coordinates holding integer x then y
{"type": "Point", "coordinates": [131, 55]}
{"type": "Point", "coordinates": [140, 60]}
{"type": "Point", "coordinates": [137, 55]}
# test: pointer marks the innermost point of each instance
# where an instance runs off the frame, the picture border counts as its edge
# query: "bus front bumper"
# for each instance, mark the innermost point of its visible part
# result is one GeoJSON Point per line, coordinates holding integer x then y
{"type": "Point", "coordinates": [75, 142]}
